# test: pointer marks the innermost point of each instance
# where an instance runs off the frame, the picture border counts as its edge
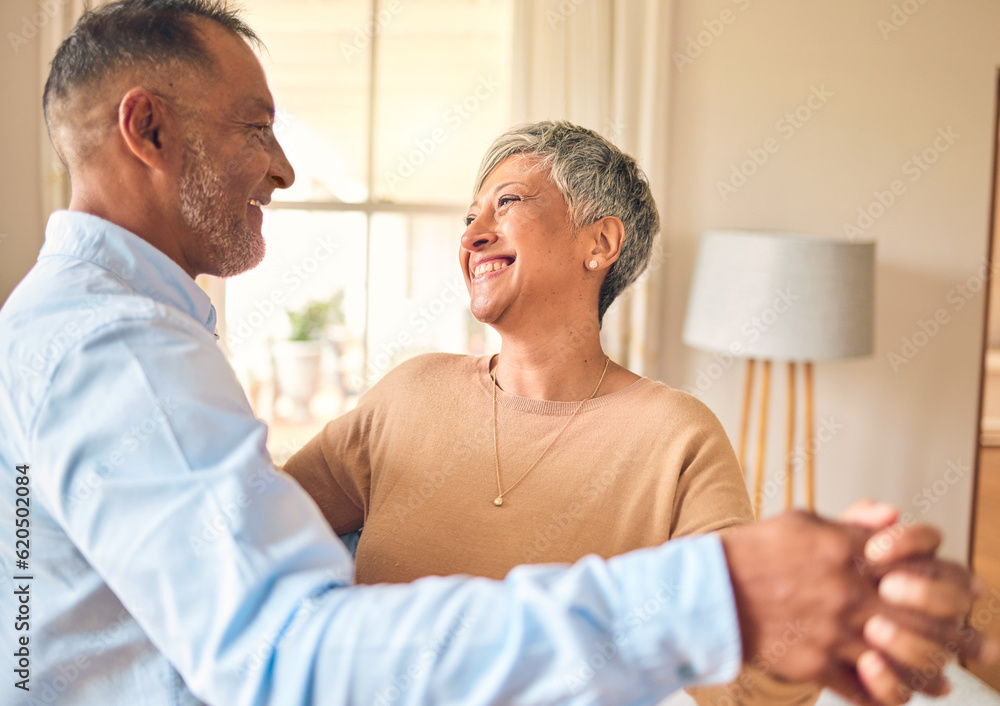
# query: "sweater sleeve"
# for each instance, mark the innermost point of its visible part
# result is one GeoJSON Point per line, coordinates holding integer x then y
{"type": "Point", "coordinates": [338, 466]}
{"type": "Point", "coordinates": [711, 496]}
{"type": "Point", "coordinates": [334, 467]}
{"type": "Point", "coordinates": [711, 492]}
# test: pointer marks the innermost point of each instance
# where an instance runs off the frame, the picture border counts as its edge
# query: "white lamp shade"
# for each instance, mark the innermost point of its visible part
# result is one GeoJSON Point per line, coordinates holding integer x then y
{"type": "Point", "coordinates": [782, 296]}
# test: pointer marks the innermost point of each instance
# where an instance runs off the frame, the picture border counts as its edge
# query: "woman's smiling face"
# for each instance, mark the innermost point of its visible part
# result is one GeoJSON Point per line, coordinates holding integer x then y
{"type": "Point", "coordinates": [519, 253]}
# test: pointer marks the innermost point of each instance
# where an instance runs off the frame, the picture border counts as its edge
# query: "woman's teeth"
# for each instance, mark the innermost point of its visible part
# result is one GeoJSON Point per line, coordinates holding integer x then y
{"type": "Point", "coordinates": [254, 202]}
{"type": "Point", "coordinates": [489, 267]}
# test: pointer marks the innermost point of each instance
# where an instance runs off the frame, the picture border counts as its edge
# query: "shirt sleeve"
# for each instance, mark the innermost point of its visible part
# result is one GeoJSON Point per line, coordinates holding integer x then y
{"type": "Point", "coordinates": [149, 458]}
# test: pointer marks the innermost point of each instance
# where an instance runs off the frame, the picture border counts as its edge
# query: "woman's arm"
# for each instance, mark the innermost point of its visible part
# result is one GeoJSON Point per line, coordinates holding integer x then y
{"type": "Point", "coordinates": [334, 467]}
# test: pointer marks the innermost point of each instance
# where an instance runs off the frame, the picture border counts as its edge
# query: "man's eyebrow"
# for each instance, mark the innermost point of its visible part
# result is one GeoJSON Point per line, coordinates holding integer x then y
{"type": "Point", "coordinates": [259, 104]}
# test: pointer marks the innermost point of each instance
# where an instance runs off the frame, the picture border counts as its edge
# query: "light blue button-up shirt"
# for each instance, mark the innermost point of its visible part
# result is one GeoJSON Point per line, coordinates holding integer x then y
{"type": "Point", "coordinates": [152, 554]}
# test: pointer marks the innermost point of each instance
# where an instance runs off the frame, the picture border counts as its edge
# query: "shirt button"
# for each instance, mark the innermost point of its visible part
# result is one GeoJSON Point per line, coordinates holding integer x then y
{"type": "Point", "coordinates": [684, 671]}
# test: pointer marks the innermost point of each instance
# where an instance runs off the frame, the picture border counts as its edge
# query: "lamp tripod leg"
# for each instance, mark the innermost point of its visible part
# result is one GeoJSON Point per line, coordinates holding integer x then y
{"type": "Point", "coordinates": [745, 420]}
{"type": "Point", "coordinates": [790, 439]}
{"type": "Point", "coordinates": [808, 435]}
{"type": "Point", "coordinates": [765, 389]}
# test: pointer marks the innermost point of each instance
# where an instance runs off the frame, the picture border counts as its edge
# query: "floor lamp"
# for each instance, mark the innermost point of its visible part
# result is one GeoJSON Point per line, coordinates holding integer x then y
{"type": "Point", "coordinates": [781, 297]}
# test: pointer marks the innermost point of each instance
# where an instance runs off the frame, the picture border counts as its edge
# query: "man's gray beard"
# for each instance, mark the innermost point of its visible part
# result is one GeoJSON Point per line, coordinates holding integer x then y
{"type": "Point", "coordinates": [227, 246]}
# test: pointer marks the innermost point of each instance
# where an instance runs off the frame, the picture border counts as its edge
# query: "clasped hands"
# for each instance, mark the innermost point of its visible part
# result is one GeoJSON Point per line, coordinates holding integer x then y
{"type": "Point", "coordinates": [862, 605]}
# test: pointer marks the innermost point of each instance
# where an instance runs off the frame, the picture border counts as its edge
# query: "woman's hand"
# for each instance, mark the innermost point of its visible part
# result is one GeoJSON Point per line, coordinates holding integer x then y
{"type": "Point", "coordinates": [927, 600]}
{"type": "Point", "coordinates": [809, 594]}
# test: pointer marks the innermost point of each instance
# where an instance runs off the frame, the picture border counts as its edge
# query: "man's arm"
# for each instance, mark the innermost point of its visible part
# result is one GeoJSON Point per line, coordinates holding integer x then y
{"type": "Point", "coordinates": [246, 590]}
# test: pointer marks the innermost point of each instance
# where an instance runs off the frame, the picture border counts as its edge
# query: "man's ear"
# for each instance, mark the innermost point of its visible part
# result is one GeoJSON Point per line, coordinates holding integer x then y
{"type": "Point", "coordinates": [146, 126]}
{"type": "Point", "coordinates": [605, 238]}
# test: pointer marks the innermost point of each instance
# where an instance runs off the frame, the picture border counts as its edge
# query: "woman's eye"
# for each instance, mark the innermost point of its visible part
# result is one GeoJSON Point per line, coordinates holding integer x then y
{"type": "Point", "coordinates": [504, 200]}
{"type": "Point", "coordinates": [469, 220]}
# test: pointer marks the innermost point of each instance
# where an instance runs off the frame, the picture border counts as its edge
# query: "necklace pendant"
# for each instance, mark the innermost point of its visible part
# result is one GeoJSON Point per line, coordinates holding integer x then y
{"type": "Point", "coordinates": [498, 502]}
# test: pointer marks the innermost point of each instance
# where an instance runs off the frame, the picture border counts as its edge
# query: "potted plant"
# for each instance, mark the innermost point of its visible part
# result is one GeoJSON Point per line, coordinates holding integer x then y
{"type": "Point", "coordinates": [297, 359]}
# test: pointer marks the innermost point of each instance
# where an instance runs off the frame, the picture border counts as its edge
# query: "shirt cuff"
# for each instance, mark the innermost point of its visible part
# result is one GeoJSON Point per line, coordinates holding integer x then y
{"type": "Point", "coordinates": [717, 648]}
{"type": "Point", "coordinates": [695, 635]}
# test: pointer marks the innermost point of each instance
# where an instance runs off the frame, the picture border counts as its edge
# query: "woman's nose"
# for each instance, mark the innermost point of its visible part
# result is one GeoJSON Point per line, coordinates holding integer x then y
{"type": "Point", "coordinates": [479, 234]}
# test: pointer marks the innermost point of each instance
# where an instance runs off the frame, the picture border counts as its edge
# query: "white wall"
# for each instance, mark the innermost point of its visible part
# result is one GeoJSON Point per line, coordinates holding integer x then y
{"type": "Point", "coordinates": [21, 218]}
{"type": "Point", "coordinates": [890, 96]}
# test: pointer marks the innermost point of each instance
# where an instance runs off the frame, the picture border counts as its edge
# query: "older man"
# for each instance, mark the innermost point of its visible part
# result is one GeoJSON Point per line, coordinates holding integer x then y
{"type": "Point", "coordinates": [159, 558]}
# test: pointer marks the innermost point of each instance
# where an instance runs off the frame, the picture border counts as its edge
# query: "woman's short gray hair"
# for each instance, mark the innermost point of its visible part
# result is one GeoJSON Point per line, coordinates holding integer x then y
{"type": "Point", "coordinates": [597, 180]}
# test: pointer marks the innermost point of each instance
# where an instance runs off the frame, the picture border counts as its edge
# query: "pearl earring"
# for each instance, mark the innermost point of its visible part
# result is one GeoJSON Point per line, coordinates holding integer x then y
{"type": "Point", "coordinates": [593, 264]}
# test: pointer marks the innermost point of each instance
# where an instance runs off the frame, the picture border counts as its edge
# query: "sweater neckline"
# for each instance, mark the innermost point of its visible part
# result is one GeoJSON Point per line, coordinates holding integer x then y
{"type": "Point", "coordinates": [551, 407]}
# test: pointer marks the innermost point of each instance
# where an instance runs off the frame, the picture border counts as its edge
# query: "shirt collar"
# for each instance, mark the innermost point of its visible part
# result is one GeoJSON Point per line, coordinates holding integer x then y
{"type": "Point", "coordinates": [131, 259]}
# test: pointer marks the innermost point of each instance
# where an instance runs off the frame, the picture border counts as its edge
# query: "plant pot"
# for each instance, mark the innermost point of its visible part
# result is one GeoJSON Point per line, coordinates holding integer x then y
{"type": "Point", "coordinates": [297, 373]}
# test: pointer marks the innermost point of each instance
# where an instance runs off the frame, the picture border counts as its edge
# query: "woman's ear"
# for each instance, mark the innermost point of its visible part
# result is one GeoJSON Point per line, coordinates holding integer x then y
{"type": "Point", "coordinates": [605, 238]}
{"type": "Point", "coordinates": [145, 126]}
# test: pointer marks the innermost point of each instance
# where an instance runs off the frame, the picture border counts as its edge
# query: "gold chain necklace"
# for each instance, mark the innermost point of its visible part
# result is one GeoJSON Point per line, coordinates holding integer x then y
{"type": "Point", "coordinates": [496, 449]}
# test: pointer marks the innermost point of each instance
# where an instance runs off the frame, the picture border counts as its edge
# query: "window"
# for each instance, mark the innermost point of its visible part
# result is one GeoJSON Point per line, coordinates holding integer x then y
{"type": "Point", "coordinates": [384, 109]}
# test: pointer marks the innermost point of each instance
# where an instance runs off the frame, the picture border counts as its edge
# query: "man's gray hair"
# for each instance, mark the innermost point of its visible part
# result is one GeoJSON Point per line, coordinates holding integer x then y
{"type": "Point", "coordinates": [146, 35]}
{"type": "Point", "coordinates": [597, 180]}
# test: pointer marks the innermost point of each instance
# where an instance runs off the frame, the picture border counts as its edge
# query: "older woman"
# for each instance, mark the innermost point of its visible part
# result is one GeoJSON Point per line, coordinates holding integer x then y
{"type": "Point", "coordinates": [547, 451]}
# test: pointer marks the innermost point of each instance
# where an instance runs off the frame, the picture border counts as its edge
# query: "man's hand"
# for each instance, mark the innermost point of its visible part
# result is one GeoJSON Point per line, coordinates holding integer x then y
{"type": "Point", "coordinates": [922, 629]}
{"type": "Point", "coordinates": [806, 592]}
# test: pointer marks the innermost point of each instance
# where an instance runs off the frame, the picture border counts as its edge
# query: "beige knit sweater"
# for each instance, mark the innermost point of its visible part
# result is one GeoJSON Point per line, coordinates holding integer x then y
{"type": "Point", "coordinates": [414, 465]}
